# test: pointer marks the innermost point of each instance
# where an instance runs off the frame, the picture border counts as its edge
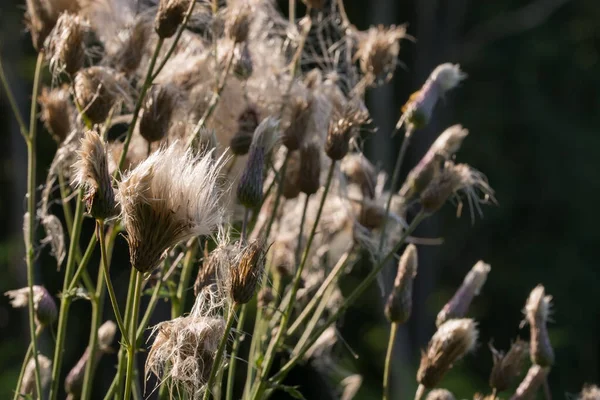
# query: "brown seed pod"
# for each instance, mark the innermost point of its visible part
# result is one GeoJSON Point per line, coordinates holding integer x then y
{"type": "Point", "coordinates": [247, 123]}
{"type": "Point", "coordinates": [246, 275]}
{"type": "Point", "coordinates": [56, 110]}
{"type": "Point", "coordinates": [342, 129]}
{"type": "Point", "coordinates": [291, 189]}
{"type": "Point", "coordinates": [156, 113]}
{"type": "Point", "coordinates": [508, 366]}
{"type": "Point", "coordinates": [309, 178]}
{"type": "Point", "coordinates": [237, 23]}
{"type": "Point", "coordinates": [399, 304]}
{"type": "Point", "coordinates": [169, 16]}
{"type": "Point", "coordinates": [65, 45]}
{"type": "Point", "coordinates": [95, 92]}
{"type": "Point", "coordinates": [293, 136]}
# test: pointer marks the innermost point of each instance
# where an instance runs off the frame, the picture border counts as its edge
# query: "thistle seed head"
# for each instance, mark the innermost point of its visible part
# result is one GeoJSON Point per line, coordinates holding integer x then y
{"type": "Point", "coordinates": [156, 113]}
{"type": "Point", "coordinates": [96, 90]}
{"type": "Point", "coordinates": [247, 124]}
{"type": "Point", "coordinates": [40, 19]}
{"type": "Point", "coordinates": [169, 16]}
{"type": "Point", "coordinates": [309, 177]}
{"type": "Point", "coordinates": [508, 366]}
{"type": "Point", "coordinates": [399, 304]}
{"type": "Point", "coordinates": [419, 178]}
{"type": "Point", "coordinates": [360, 171]}
{"type": "Point", "coordinates": [537, 310]}
{"type": "Point", "coordinates": [170, 197]}
{"type": "Point", "coordinates": [291, 188]}
{"type": "Point", "coordinates": [56, 110]}
{"type": "Point", "coordinates": [43, 303]}
{"type": "Point", "coordinates": [342, 129]}
{"type": "Point", "coordinates": [378, 52]}
{"type": "Point", "coordinates": [65, 47]}
{"type": "Point", "coordinates": [458, 306]}
{"type": "Point", "coordinates": [246, 275]}
{"type": "Point", "coordinates": [293, 136]}
{"type": "Point", "coordinates": [449, 142]}
{"type": "Point", "coordinates": [589, 392]}
{"type": "Point", "coordinates": [450, 343]}
{"type": "Point", "coordinates": [532, 382]}
{"type": "Point", "coordinates": [440, 394]}
{"type": "Point", "coordinates": [237, 22]}
{"type": "Point", "coordinates": [133, 46]}
{"type": "Point", "coordinates": [28, 385]}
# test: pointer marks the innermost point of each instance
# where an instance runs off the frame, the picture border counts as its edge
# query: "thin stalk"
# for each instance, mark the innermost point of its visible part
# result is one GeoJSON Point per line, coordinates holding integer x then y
{"type": "Point", "coordinates": [65, 203]}
{"type": "Point", "coordinates": [270, 354]}
{"type": "Point", "coordinates": [365, 283]}
{"type": "Point", "coordinates": [29, 245]}
{"type": "Point", "coordinates": [278, 193]}
{"type": "Point", "coordinates": [13, 103]}
{"type": "Point", "coordinates": [186, 274]}
{"type": "Point", "coordinates": [84, 261]}
{"type": "Point", "coordinates": [420, 392]}
{"type": "Point", "coordinates": [303, 218]}
{"type": "Point", "coordinates": [138, 105]}
{"type": "Point", "coordinates": [28, 353]}
{"type": "Point", "coordinates": [388, 361]}
{"type": "Point", "coordinates": [394, 183]}
{"type": "Point", "coordinates": [314, 320]}
{"type": "Point", "coordinates": [292, 11]}
{"type": "Point", "coordinates": [220, 351]}
{"type": "Point", "coordinates": [132, 335]}
{"type": "Point", "coordinates": [121, 367]}
{"type": "Point", "coordinates": [152, 303]}
{"type": "Point", "coordinates": [234, 352]}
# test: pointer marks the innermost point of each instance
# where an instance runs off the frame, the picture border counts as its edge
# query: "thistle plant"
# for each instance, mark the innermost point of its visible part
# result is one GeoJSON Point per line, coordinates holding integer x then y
{"type": "Point", "coordinates": [241, 165]}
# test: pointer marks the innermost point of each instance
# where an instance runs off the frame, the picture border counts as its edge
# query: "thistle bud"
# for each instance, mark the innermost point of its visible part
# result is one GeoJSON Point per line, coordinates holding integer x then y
{"type": "Point", "coordinates": [537, 310]}
{"type": "Point", "coordinates": [507, 366]}
{"type": "Point", "coordinates": [291, 189]}
{"type": "Point", "coordinates": [293, 136]}
{"type": "Point", "coordinates": [243, 65]}
{"type": "Point", "coordinates": [419, 108]}
{"type": "Point", "coordinates": [440, 394]}
{"type": "Point", "coordinates": [343, 129]}
{"type": "Point", "coordinates": [399, 303]}
{"type": "Point", "coordinates": [309, 178]}
{"type": "Point", "coordinates": [91, 173]}
{"type": "Point", "coordinates": [169, 16]}
{"type": "Point", "coordinates": [532, 382]}
{"type": "Point", "coordinates": [95, 92]}
{"type": "Point", "coordinates": [247, 124]}
{"type": "Point", "coordinates": [451, 342]}
{"type": "Point", "coordinates": [458, 306]}
{"type": "Point", "coordinates": [156, 113]}
{"type": "Point", "coordinates": [56, 112]}
{"type": "Point", "coordinates": [237, 23]}
{"type": "Point", "coordinates": [28, 385]}
{"type": "Point", "coordinates": [378, 52]}
{"type": "Point", "coordinates": [361, 172]}
{"type": "Point", "coordinates": [43, 303]}
{"type": "Point", "coordinates": [250, 186]}
{"type": "Point", "coordinates": [65, 45]}
{"type": "Point", "coordinates": [246, 275]}
{"type": "Point", "coordinates": [589, 392]}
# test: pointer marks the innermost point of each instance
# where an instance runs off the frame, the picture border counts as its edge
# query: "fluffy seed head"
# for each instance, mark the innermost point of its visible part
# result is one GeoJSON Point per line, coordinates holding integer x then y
{"type": "Point", "coordinates": [169, 16]}
{"type": "Point", "coordinates": [56, 110]}
{"type": "Point", "coordinates": [96, 91]}
{"type": "Point", "coordinates": [237, 23]}
{"type": "Point", "coordinates": [532, 382]}
{"type": "Point", "coordinates": [293, 136]}
{"type": "Point", "coordinates": [40, 20]}
{"type": "Point", "coordinates": [170, 197]}
{"type": "Point", "coordinates": [91, 173]}
{"type": "Point", "coordinates": [246, 275]}
{"type": "Point", "coordinates": [309, 177]}
{"type": "Point", "coordinates": [342, 129]}
{"type": "Point", "coordinates": [537, 310]}
{"type": "Point", "coordinates": [43, 303]}
{"type": "Point", "coordinates": [508, 366]}
{"type": "Point", "coordinates": [28, 386]}
{"type": "Point", "coordinates": [440, 394]}
{"type": "Point", "coordinates": [65, 45]}
{"type": "Point", "coordinates": [399, 304]}
{"type": "Point", "coordinates": [247, 124]}
{"type": "Point", "coordinates": [156, 113]}
{"type": "Point", "coordinates": [450, 343]}
{"type": "Point", "coordinates": [458, 306]}
{"type": "Point", "coordinates": [449, 141]}
{"type": "Point", "coordinates": [378, 52]}
{"type": "Point", "coordinates": [361, 172]}
{"type": "Point", "coordinates": [590, 392]}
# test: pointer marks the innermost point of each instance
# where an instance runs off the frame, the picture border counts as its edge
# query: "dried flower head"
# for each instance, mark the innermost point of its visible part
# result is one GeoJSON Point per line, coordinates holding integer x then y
{"type": "Point", "coordinates": [508, 366]}
{"type": "Point", "coordinates": [237, 22]}
{"type": "Point", "coordinates": [378, 52]}
{"type": "Point", "coordinates": [156, 113]}
{"type": "Point", "coordinates": [43, 303]}
{"type": "Point", "coordinates": [537, 310]}
{"type": "Point", "coordinates": [589, 392]}
{"type": "Point", "coordinates": [342, 129]}
{"type": "Point", "coordinates": [245, 276]}
{"type": "Point", "coordinates": [40, 19]}
{"type": "Point", "coordinates": [440, 394]}
{"type": "Point", "coordinates": [459, 304]}
{"type": "Point", "coordinates": [247, 124]}
{"type": "Point", "coordinates": [170, 197]}
{"type": "Point", "coordinates": [291, 189]}
{"type": "Point", "coordinates": [55, 235]}
{"type": "Point", "coordinates": [91, 173]}
{"type": "Point", "coordinates": [65, 45]}
{"type": "Point", "coordinates": [532, 382]}
{"type": "Point", "coordinates": [242, 63]}
{"type": "Point", "coordinates": [96, 90]}
{"type": "Point", "coordinates": [250, 186]}
{"type": "Point", "coordinates": [449, 141]}
{"type": "Point", "coordinates": [293, 136]}
{"type": "Point", "coordinates": [419, 108]}
{"type": "Point", "coordinates": [169, 16]}
{"type": "Point", "coordinates": [309, 176]}
{"type": "Point", "coordinates": [57, 110]}
{"type": "Point", "coordinates": [455, 178]}
{"type": "Point", "coordinates": [399, 303]}
{"type": "Point", "coordinates": [133, 45]}
{"type": "Point", "coordinates": [360, 171]}
{"type": "Point", "coordinates": [28, 385]}
{"type": "Point", "coordinates": [451, 342]}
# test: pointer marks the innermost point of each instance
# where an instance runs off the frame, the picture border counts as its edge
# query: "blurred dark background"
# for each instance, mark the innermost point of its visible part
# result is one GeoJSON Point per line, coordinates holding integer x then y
{"type": "Point", "coordinates": [532, 105]}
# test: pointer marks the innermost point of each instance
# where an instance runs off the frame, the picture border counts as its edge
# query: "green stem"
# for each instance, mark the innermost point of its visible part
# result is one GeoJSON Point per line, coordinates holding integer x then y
{"type": "Point", "coordinates": [64, 194]}
{"type": "Point", "coordinates": [28, 353]}
{"type": "Point", "coordinates": [150, 309]}
{"type": "Point", "coordinates": [84, 261]}
{"type": "Point", "coordinates": [278, 194]}
{"type": "Point", "coordinates": [220, 351]}
{"type": "Point", "coordinates": [365, 283]}
{"type": "Point", "coordinates": [270, 354]}
{"type": "Point", "coordinates": [29, 244]}
{"type": "Point", "coordinates": [132, 330]}
{"type": "Point", "coordinates": [388, 361]}
{"type": "Point", "coordinates": [13, 103]}
{"type": "Point", "coordinates": [128, 309]}
{"type": "Point", "coordinates": [303, 218]}
{"type": "Point", "coordinates": [234, 352]}
{"type": "Point", "coordinates": [186, 274]}
{"type": "Point", "coordinates": [138, 105]}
